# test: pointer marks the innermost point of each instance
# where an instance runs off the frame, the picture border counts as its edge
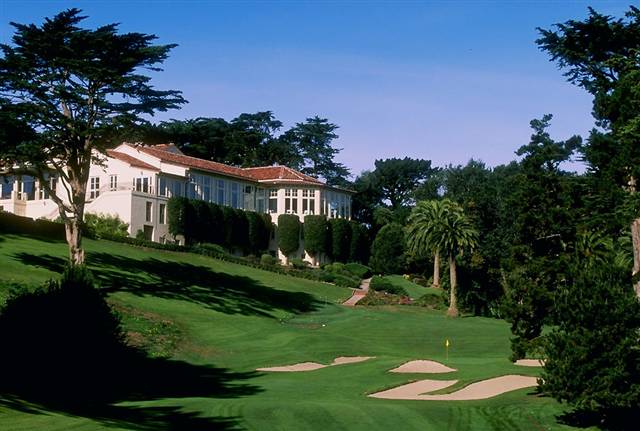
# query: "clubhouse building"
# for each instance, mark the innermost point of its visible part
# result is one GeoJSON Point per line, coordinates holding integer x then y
{"type": "Point", "coordinates": [135, 182]}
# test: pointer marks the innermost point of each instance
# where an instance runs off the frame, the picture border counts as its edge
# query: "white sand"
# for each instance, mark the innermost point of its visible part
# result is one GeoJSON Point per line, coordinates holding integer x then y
{"type": "Point", "coordinates": [303, 366]}
{"type": "Point", "coordinates": [413, 389]}
{"type": "Point", "coordinates": [475, 391]}
{"type": "Point", "coordinates": [530, 362]}
{"type": "Point", "coordinates": [310, 366]}
{"type": "Point", "coordinates": [341, 360]}
{"type": "Point", "coordinates": [423, 366]}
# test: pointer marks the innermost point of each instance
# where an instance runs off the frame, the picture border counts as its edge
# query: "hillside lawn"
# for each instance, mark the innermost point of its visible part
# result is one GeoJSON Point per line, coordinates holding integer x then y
{"type": "Point", "coordinates": [229, 319]}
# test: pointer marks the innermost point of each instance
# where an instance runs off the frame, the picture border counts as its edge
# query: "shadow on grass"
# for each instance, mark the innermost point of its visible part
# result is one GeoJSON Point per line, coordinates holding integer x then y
{"type": "Point", "coordinates": [97, 394]}
{"type": "Point", "coordinates": [230, 294]}
{"type": "Point", "coordinates": [614, 420]}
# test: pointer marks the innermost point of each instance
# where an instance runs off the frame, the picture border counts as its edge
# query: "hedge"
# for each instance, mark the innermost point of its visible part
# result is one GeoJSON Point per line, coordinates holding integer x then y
{"type": "Point", "coordinates": [288, 233]}
{"type": "Point", "coordinates": [315, 234]}
{"type": "Point", "coordinates": [340, 239]}
{"type": "Point", "coordinates": [387, 251]}
{"type": "Point", "coordinates": [11, 223]}
{"type": "Point", "coordinates": [201, 222]}
{"type": "Point", "coordinates": [360, 243]}
{"type": "Point", "coordinates": [382, 285]}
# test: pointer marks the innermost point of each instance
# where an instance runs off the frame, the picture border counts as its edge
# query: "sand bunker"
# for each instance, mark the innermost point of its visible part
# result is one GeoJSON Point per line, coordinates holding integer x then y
{"type": "Point", "coordinates": [310, 366]}
{"type": "Point", "coordinates": [341, 360]}
{"type": "Point", "coordinates": [530, 362]}
{"type": "Point", "coordinates": [423, 366]}
{"type": "Point", "coordinates": [413, 389]}
{"type": "Point", "coordinates": [475, 391]}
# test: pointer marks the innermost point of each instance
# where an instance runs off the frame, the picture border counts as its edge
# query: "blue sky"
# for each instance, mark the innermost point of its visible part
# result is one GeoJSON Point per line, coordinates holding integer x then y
{"type": "Point", "coordinates": [445, 81]}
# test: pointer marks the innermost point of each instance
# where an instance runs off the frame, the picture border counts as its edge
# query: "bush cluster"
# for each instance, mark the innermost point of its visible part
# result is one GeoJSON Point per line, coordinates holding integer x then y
{"type": "Point", "coordinates": [11, 223]}
{"type": "Point", "coordinates": [100, 225]}
{"type": "Point", "coordinates": [387, 250]}
{"type": "Point", "coordinates": [381, 284]}
{"type": "Point", "coordinates": [202, 222]}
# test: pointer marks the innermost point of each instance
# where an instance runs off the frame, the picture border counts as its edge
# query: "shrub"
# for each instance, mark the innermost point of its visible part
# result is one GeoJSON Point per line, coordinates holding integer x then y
{"type": "Point", "coordinates": [346, 281]}
{"type": "Point", "coordinates": [179, 216]}
{"type": "Point", "coordinates": [359, 270]}
{"type": "Point", "coordinates": [212, 249]}
{"type": "Point", "coordinates": [200, 226]}
{"type": "Point", "coordinates": [11, 223]}
{"type": "Point", "coordinates": [340, 239]}
{"type": "Point", "coordinates": [215, 225]}
{"type": "Point", "coordinates": [267, 223]}
{"type": "Point", "coordinates": [268, 260]}
{"type": "Point", "coordinates": [228, 223]}
{"type": "Point", "coordinates": [381, 284]}
{"type": "Point", "coordinates": [360, 243]}
{"type": "Point", "coordinates": [298, 263]}
{"type": "Point", "coordinates": [387, 251]}
{"type": "Point", "coordinates": [593, 355]}
{"type": "Point", "coordinates": [288, 233]}
{"type": "Point", "coordinates": [140, 235]}
{"type": "Point", "coordinates": [315, 234]}
{"type": "Point", "coordinates": [101, 225]}
{"type": "Point", "coordinates": [259, 231]}
{"type": "Point", "coordinates": [240, 230]}
{"type": "Point", "coordinates": [61, 337]}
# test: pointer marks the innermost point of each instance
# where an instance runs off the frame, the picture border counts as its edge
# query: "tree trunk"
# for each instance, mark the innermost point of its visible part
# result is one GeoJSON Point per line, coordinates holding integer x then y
{"type": "Point", "coordinates": [73, 230]}
{"type": "Point", "coordinates": [635, 236]}
{"type": "Point", "coordinates": [453, 301]}
{"type": "Point", "coordinates": [436, 270]}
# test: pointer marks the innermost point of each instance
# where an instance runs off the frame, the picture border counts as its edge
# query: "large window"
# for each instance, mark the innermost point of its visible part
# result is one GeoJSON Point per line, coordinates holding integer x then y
{"type": "Point", "coordinates": [162, 186]}
{"type": "Point", "coordinates": [94, 187]}
{"type": "Point", "coordinates": [260, 200]}
{"type": "Point", "coordinates": [220, 192]}
{"type": "Point", "coordinates": [206, 189]}
{"type": "Point", "coordinates": [177, 189]}
{"type": "Point", "coordinates": [234, 195]}
{"type": "Point", "coordinates": [113, 182]}
{"type": "Point", "coordinates": [142, 184]}
{"type": "Point", "coordinates": [148, 211]}
{"type": "Point", "coordinates": [6, 186]}
{"type": "Point", "coordinates": [273, 201]}
{"type": "Point", "coordinates": [308, 201]}
{"type": "Point", "coordinates": [291, 201]}
{"type": "Point", "coordinates": [162, 210]}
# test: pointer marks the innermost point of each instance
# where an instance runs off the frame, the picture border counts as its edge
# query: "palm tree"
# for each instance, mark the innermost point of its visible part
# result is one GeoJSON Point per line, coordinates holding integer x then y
{"type": "Point", "coordinates": [442, 227]}
{"type": "Point", "coordinates": [420, 225]}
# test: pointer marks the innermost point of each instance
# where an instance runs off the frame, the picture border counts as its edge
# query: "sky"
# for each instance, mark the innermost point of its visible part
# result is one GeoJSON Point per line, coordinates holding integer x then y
{"type": "Point", "coordinates": [441, 80]}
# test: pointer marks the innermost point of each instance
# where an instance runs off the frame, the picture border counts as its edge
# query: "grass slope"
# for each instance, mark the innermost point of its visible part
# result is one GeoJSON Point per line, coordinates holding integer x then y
{"type": "Point", "coordinates": [233, 319]}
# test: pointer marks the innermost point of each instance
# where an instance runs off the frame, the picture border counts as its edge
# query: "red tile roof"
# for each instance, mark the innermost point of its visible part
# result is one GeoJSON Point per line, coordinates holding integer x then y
{"type": "Point", "coordinates": [132, 161]}
{"type": "Point", "coordinates": [169, 153]}
{"type": "Point", "coordinates": [193, 162]}
{"type": "Point", "coordinates": [280, 174]}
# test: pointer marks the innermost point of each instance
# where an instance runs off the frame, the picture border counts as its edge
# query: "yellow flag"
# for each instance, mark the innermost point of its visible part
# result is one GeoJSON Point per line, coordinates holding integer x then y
{"type": "Point", "coordinates": [446, 343]}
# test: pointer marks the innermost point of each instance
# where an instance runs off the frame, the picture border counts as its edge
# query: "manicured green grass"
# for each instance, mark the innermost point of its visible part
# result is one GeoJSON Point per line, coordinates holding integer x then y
{"type": "Point", "coordinates": [237, 319]}
{"type": "Point", "coordinates": [414, 290]}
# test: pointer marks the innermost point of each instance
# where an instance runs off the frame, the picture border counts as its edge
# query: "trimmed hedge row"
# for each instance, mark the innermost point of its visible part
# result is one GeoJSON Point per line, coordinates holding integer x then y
{"type": "Point", "coordinates": [11, 223]}
{"type": "Point", "coordinates": [340, 239]}
{"type": "Point", "coordinates": [202, 222]}
{"type": "Point", "coordinates": [288, 233]}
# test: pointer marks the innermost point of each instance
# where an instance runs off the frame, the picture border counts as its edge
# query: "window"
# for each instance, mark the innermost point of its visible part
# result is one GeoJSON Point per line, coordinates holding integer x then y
{"type": "Point", "coordinates": [94, 187]}
{"type": "Point", "coordinates": [142, 185]}
{"type": "Point", "coordinates": [273, 193]}
{"type": "Point", "coordinates": [308, 201]}
{"type": "Point", "coordinates": [149, 209]}
{"type": "Point", "coordinates": [177, 189]}
{"type": "Point", "coordinates": [162, 187]}
{"type": "Point", "coordinates": [53, 184]}
{"type": "Point", "coordinates": [234, 195]}
{"type": "Point", "coordinates": [220, 195]}
{"type": "Point", "coordinates": [6, 187]}
{"type": "Point", "coordinates": [206, 189]}
{"type": "Point", "coordinates": [113, 182]}
{"type": "Point", "coordinates": [161, 214]}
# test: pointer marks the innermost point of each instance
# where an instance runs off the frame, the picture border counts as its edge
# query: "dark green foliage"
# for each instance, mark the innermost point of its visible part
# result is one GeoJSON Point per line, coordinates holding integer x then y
{"type": "Point", "coordinates": [178, 216]}
{"type": "Point", "coordinates": [99, 226]}
{"type": "Point", "coordinates": [259, 231]}
{"type": "Point", "coordinates": [228, 223]}
{"type": "Point", "coordinates": [288, 233]}
{"type": "Point", "coordinates": [215, 225]}
{"type": "Point", "coordinates": [240, 230]}
{"type": "Point", "coordinates": [359, 270]}
{"type": "Point", "coordinates": [593, 354]}
{"type": "Point", "coordinates": [11, 223]}
{"type": "Point", "coordinates": [316, 231]}
{"type": "Point", "coordinates": [431, 301]}
{"type": "Point", "coordinates": [199, 228]}
{"type": "Point", "coordinates": [360, 245]}
{"type": "Point", "coordinates": [380, 284]}
{"type": "Point", "coordinates": [527, 306]}
{"type": "Point", "coordinates": [298, 263]}
{"type": "Point", "coordinates": [387, 250]}
{"type": "Point", "coordinates": [268, 260]}
{"type": "Point", "coordinates": [398, 178]}
{"type": "Point", "coordinates": [340, 239]}
{"type": "Point", "coordinates": [56, 337]}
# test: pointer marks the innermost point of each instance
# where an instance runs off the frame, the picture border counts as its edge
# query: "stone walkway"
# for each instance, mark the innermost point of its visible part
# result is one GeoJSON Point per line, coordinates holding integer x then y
{"type": "Point", "coordinates": [358, 294]}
